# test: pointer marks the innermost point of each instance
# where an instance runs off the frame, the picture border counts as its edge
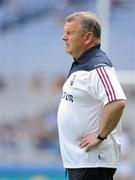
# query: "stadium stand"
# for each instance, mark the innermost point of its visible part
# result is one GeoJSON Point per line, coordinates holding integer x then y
{"type": "Point", "coordinates": [31, 78]}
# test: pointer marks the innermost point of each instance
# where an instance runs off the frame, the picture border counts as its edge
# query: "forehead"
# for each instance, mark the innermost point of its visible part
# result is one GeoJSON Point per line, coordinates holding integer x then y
{"type": "Point", "coordinates": [73, 25]}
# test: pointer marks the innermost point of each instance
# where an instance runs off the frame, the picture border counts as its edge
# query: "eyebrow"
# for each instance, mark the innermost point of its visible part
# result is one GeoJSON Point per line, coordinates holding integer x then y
{"type": "Point", "coordinates": [71, 31]}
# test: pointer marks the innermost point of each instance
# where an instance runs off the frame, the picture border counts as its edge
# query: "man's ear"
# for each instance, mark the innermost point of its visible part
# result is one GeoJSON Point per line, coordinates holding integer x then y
{"type": "Point", "coordinates": [88, 37]}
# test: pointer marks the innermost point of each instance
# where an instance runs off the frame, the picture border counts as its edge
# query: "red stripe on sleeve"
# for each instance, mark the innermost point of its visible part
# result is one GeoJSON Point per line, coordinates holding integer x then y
{"type": "Point", "coordinates": [100, 75]}
{"type": "Point", "coordinates": [106, 83]}
{"type": "Point", "coordinates": [114, 95]}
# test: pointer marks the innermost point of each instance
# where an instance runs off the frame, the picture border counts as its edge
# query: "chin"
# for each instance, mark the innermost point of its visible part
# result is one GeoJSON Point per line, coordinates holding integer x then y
{"type": "Point", "coordinates": [68, 51]}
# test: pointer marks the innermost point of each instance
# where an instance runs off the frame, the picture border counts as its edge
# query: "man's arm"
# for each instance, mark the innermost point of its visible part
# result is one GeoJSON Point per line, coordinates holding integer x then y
{"type": "Point", "coordinates": [110, 118]}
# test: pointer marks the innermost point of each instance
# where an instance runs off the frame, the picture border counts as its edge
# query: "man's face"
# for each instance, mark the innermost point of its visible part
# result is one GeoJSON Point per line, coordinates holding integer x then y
{"type": "Point", "coordinates": [74, 39]}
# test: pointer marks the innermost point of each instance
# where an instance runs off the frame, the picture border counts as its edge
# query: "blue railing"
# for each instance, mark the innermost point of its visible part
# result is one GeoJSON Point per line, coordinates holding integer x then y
{"type": "Point", "coordinates": [32, 172]}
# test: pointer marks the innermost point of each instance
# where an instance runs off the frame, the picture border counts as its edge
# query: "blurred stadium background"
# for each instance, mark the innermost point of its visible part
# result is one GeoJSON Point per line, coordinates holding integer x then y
{"type": "Point", "coordinates": [33, 68]}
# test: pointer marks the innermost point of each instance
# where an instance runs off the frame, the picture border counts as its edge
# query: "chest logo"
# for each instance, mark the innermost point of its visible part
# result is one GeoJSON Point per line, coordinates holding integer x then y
{"type": "Point", "coordinates": [72, 80]}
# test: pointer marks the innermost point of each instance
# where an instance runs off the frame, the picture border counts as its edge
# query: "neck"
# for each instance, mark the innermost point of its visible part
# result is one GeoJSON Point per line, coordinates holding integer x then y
{"type": "Point", "coordinates": [88, 47]}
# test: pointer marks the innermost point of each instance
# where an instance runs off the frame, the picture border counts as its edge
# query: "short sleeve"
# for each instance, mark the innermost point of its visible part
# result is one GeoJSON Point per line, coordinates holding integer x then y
{"type": "Point", "coordinates": [103, 85]}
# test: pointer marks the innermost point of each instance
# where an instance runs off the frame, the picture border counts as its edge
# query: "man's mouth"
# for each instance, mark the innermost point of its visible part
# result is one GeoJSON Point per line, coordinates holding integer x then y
{"type": "Point", "coordinates": [67, 45]}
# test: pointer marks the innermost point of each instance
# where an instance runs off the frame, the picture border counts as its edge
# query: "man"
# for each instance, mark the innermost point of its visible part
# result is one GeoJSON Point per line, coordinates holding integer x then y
{"type": "Point", "coordinates": [91, 105]}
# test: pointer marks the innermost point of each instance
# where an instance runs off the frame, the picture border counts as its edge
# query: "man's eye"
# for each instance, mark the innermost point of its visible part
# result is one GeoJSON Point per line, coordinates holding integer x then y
{"type": "Point", "coordinates": [69, 32]}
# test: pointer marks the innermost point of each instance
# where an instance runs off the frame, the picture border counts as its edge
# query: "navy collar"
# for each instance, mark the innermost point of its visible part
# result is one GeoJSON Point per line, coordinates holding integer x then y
{"type": "Point", "coordinates": [81, 59]}
{"type": "Point", "coordinates": [91, 59]}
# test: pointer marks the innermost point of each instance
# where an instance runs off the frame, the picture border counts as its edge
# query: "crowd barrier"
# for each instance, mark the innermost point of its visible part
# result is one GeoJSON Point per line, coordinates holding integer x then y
{"type": "Point", "coordinates": [32, 172]}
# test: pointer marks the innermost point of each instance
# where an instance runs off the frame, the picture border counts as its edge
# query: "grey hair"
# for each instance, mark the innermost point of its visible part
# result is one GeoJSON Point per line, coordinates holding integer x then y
{"type": "Point", "coordinates": [88, 20]}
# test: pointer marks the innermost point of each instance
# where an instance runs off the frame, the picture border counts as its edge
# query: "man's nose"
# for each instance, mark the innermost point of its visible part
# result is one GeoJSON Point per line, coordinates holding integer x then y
{"type": "Point", "coordinates": [64, 37]}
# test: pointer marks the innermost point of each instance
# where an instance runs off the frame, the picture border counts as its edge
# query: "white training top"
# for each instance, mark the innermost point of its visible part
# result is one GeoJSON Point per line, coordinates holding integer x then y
{"type": "Point", "coordinates": [84, 95]}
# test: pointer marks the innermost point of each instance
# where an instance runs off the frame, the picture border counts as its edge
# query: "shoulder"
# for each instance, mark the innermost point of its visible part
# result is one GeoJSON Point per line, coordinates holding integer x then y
{"type": "Point", "coordinates": [99, 59]}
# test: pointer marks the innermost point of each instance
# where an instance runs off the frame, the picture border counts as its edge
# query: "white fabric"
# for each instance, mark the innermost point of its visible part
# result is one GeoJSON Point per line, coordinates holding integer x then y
{"type": "Point", "coordinates": [84, 95]}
